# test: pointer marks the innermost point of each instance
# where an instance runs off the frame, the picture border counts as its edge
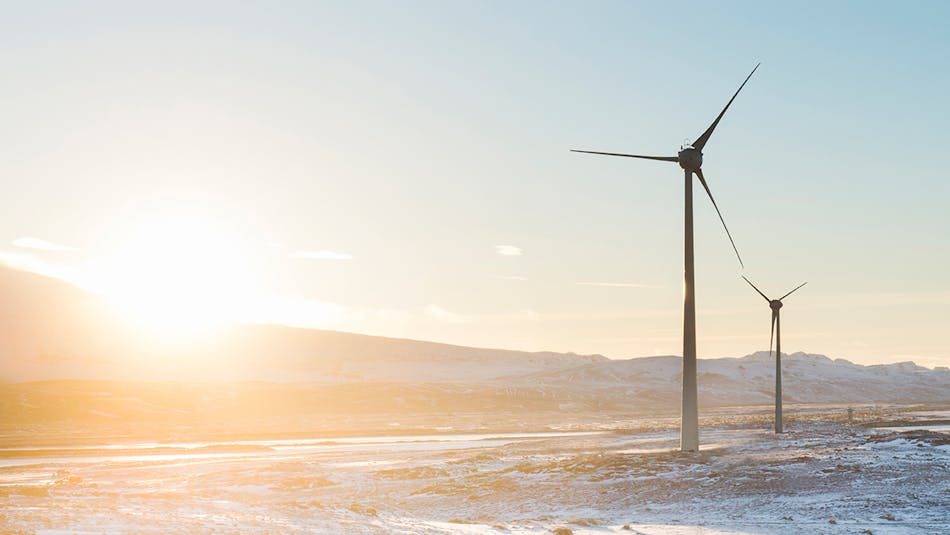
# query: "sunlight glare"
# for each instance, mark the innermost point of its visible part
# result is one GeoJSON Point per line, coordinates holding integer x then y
{"type": "Point", "coordinates": [178, 275]}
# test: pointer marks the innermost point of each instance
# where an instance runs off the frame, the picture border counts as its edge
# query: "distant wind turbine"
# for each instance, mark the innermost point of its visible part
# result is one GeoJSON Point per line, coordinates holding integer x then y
{"type": "Point", "coordinates": [776, 331]}
{"type": "Point", "coordinates": [690, 158]}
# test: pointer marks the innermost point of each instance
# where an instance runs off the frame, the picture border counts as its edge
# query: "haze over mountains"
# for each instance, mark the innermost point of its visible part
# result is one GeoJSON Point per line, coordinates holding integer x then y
{"type": "Point", "coordinates": [50, 330]}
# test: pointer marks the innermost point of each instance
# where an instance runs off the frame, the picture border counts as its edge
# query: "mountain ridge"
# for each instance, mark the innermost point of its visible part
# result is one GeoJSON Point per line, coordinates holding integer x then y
{"type": "Point", "coordinates": [52, 330]}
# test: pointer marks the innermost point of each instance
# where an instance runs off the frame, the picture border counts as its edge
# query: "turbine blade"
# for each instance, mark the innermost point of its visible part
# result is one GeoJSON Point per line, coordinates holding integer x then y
{"type": "Point", "coordinates": [772, 333]}
{"type": "Point", "coordinates": [790, 293]}
{"type": "Point", "coordinates": [661, 158]}
{"type": "Point", "coordinates": [699, 173]}
{"type": "Point", "coordinates": [756, 289]}
{"type": "Point", "coordinates": [701, 142]}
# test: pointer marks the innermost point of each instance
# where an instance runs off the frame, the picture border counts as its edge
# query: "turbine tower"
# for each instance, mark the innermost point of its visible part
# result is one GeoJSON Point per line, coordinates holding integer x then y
{"type": "Point", "coordinates": [776, 331]}
{"type": "Point", "coordinates": [690, 158]}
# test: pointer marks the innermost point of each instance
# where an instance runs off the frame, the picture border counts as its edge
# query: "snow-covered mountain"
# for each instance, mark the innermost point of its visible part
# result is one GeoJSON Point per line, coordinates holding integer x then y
{"type": "Point", "coordinates": [806, 378]}
{"type": "Point", "coordinates": [50, 330]}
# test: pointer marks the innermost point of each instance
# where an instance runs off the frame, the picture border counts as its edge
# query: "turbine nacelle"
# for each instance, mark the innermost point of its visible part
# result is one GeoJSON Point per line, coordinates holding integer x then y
{"type": "Point", "coordinates": [774, 304]}
{"type": "Point", "coordinates": [690, 159]}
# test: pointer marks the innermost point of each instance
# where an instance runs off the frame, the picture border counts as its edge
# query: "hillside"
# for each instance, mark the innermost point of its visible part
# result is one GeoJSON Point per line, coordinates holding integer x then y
{"type": "Point", "coordinates": [806, 378]}
{"type": "Point", "coordinates": [51, 330]}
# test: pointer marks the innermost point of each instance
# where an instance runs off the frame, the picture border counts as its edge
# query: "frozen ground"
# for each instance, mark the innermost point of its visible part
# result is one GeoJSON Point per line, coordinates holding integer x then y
{"type": "Point", "coordinates": [823, 476]}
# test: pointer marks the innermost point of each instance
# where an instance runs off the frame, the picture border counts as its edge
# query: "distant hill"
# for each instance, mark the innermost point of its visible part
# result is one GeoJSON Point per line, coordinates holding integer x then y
{"type": "Point", "coordinates": [806, 378]}
{"type": "Point", "coordinates": [50, 330]}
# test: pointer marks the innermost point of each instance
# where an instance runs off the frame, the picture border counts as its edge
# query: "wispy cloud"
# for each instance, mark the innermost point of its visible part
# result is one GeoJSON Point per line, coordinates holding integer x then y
{"type": "Point", "coordinates": [322, 254]}
{"type": "Point", "coordinates": [616, 284]}
{"type": "Point", "coordinates": [34, 264]}
{"type": "Point", "coordinates": [445, 316]}
{"type": "Point", "coordinates": [508, 250]}
{"type": "Point", "coordinates": [523, 315]}
{"type": "Point", "coordinates": [441, 314]}
{"type": "Point", "coordinates": [305, 313]}
{"type": "Point", "coordinates": [40, 245]}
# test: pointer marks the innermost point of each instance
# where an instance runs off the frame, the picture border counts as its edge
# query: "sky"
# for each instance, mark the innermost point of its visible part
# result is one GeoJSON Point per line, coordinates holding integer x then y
{"type": "Point", "coordinates": [403, 168]}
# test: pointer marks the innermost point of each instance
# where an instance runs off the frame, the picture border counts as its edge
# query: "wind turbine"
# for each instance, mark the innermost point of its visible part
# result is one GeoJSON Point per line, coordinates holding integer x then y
{"type": "Point", "coordinates": [776, 331]}
{"type": "Point", "coordinates": [690, 158]}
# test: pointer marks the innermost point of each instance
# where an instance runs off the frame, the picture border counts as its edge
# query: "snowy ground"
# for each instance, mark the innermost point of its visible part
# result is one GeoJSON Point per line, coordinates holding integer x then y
{"type": "Point", "coordinates": [823, 476]}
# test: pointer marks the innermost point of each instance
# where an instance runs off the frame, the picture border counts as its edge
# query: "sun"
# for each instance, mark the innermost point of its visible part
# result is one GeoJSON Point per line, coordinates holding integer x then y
{"type": "Point", "coordinates": [177, 274]}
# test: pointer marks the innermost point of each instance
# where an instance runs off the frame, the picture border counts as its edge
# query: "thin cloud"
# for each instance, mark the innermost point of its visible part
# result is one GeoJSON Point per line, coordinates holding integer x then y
{"type": "Point", "coordinates": [304, 313]}
{"type": "Point", "coordinates": [33, 264]}
{"type": "Point", "coordinates": [322, 254]}
{"type": "Point", "coordinates": [441, 314]}
{"type": "Point", "coordinates": [508, 250]}
{"type": "Point", "coordinates": [616, 284]}
{"type": "Point", "coordinates": [513, 278]}
{"type": "Point", "coordinates": [27, 242]}
{"type": "Point", "coordinates": [524, 315]}
{"type": "Point", "coordinates": [445, 316]}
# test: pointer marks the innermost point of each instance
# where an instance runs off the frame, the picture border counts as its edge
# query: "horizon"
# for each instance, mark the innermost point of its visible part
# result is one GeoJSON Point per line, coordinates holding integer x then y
{"type": "Point", "coordinates": [197, 338]}
{"type": "Point", "coordinates": [407, 174]}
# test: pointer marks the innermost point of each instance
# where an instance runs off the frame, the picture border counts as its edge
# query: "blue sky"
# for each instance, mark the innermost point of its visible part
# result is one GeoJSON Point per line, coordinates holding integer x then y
{"type": "Point", "coordinates": [406, 141]}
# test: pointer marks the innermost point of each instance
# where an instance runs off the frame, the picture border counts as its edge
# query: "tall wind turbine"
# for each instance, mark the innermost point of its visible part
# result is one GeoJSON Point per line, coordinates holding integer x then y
{"type": "Point", "coordinates": [776, 331]}
{"type": "Point", "coordinates": [690, 158]}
